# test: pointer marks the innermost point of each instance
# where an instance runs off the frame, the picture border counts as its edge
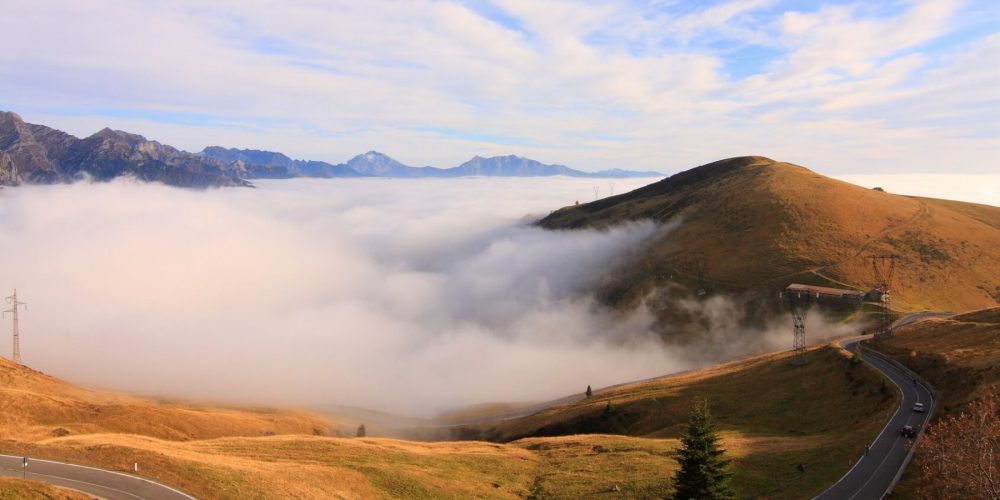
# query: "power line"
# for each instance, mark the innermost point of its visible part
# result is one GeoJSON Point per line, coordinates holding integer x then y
{"type": "Point", "coordinates": [14, 303]}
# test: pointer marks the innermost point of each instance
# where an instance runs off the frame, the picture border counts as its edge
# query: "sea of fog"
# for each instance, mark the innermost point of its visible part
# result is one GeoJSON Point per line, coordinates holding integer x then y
{"type": "Point", "coordinates": [407, 296]}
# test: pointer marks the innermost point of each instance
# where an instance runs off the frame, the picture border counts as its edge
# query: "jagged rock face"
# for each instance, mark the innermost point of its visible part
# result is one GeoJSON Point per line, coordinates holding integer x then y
{"type": "Point", "coordinates": [26, 159]}
{"type": "Point", "coordinates": [247, 156]}
{"type": "Point", "coordinates": [8, 173]}
{"type": "Point", "coordinates": [41, 155]}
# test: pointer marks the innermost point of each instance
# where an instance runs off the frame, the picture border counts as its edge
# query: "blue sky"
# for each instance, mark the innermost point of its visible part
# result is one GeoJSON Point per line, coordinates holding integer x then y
{"type": "Point", "coordinates": [841, 87]}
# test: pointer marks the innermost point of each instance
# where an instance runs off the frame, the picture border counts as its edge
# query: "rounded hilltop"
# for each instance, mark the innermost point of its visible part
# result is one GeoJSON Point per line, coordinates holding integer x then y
{"type": "Point", "coordinates": [751, 222]}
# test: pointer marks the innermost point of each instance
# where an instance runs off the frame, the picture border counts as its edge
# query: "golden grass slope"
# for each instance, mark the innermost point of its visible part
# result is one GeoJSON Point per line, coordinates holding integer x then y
{"type": "Point", "coordinates": [959, 355]}
{"type": "Point", "coordinates": [35, 406]}
{"type": "Point", "coordinates": [772, 417]}
{"type": "Point", "coordinates": [17, 489]}
{"type": "Point", "coordinates": [756, 222]}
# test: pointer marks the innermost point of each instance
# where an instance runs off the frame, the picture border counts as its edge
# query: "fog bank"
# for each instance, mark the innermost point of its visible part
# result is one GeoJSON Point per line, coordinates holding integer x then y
{"type": "Point", "coordinates": [973, 188]}
{"type": "Point", "coordinates": [397, 295]}
{"type": "Point", "coordinates": [404, 296]}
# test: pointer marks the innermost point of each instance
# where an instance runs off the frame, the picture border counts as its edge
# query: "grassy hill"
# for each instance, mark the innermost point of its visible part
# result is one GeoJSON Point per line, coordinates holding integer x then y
{"type": "Point", "coordinates": [959, 356]}
{"type": "Point", "coordinates": [35, 406]}
{"type": "Point", "coordinates": [17, 489]}
{"type": "Point", "coordinates": [772, 417]}
{"type": "Point", "coordinates": [752, 223]}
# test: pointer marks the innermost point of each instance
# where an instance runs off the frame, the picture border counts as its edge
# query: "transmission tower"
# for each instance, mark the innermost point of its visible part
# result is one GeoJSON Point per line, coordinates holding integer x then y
{"type": "Point", "coordinates": [12, 300]}
{"type": "Point", "coordinates": [883, 267]}
{"type": "Point", "coordinates": [798, 304]}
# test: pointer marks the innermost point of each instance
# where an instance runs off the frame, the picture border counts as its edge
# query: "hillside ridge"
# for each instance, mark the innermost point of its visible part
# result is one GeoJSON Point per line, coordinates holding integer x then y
{"type": "Point", "coordinates": [753, 223]}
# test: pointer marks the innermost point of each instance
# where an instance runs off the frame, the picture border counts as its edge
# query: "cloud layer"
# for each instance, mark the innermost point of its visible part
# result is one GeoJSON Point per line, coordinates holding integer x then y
{"type": "Point", "coordinates": [843, 87]}
{"type": "Point", "coordinates": [399, 295]}
{"type": "Point", "coordinates": [402, 296]}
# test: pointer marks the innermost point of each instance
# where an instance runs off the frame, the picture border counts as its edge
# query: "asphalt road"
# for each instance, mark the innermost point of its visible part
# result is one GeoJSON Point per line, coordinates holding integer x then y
{"type": "Point", "coordinates": [873, 473]}
{"type": "Point", "coordinates": [98, 482]}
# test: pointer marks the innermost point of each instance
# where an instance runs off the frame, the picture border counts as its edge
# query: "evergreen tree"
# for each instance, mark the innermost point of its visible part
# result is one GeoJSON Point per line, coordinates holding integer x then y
{"type": "Point", "coordinates": [361, 431]}
{"type": "Point", "coordinates": [703, 473]}
{"type": "Point", "coordinates": [590, 392]}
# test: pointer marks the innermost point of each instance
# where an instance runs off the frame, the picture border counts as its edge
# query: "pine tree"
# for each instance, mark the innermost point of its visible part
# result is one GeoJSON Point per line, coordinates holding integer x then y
{"type": "Point", "coordinates": [703, 473]}
{"type": "Point", "coordinates": [361, 431]}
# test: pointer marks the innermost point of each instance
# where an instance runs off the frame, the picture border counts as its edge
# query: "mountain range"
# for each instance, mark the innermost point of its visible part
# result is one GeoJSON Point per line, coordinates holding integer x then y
{"type": "Point", "coordinates": [375, 164]}
{"type": "Point", "coordinates": [37, 154]}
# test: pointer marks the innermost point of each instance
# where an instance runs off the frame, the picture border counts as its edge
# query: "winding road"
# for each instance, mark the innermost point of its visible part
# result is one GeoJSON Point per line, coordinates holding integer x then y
{"type": "Point", "coordinates": [98, 482]}
{"type": "Point", "coordinates": [877, 470]}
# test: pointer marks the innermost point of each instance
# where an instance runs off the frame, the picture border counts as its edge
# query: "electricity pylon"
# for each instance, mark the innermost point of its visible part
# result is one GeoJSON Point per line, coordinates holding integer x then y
{"type": "Point", "coordinates": [12, 300]}
{"type": "Point", "coordinates": [883, 267]}
{"type": "Point", "coordinates": [798, 304]}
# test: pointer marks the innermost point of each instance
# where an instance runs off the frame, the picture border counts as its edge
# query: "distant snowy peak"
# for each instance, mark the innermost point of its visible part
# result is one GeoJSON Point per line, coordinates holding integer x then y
{"type": "Point", "coordinates": [377, 164]}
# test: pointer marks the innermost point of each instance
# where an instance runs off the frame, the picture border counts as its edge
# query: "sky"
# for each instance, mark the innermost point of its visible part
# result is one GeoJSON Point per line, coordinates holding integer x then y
{"type": "Point", "coordinates": [379, 293]}
{"type": "Point", "coordinates": [845, 88]}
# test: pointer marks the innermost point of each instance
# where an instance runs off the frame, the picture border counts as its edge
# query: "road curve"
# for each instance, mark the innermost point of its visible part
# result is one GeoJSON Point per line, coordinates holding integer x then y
{"type": "Point", "coordinates": [98, 482]}
{"type": "Point", "coordinates": [875, 473]}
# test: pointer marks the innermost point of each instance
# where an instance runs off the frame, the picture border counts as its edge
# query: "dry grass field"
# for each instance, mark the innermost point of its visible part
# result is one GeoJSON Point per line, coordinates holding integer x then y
{"type": "Point", "coordinates": [36, 406]}
{"type": "Point", "coordinates": [959, 356]}
{"type": "Point", "coordinates": [753, 223]}
{"type": "Point", "coordinates": [772, 417]}
{"type": "Point", "coordinates": [17, 489]}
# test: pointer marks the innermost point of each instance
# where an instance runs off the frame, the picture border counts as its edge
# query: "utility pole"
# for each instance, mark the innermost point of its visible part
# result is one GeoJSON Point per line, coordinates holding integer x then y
{"type": "Point", "coordinates": [597, 190]}
{"type": "Point", "coordinates": [883, 267]}
{"type": "Point", "coordinates": [798, 304]}
{"type": "Point", "coordinates": [611, 188]}
{"type": "Point", "coordinates": [12, 300]}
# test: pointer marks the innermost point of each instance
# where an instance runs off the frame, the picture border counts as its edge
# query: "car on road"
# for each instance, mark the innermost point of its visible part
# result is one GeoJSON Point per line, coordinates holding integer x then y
{"type": "Point", "coordinates": [908, 431]}
{"type": "Point", "coordinates": [919, 408]}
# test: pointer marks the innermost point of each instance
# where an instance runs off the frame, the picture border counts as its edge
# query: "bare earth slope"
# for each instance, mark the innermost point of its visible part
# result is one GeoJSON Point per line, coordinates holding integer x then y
{"type": "Point", "coordinates": [751, 222]}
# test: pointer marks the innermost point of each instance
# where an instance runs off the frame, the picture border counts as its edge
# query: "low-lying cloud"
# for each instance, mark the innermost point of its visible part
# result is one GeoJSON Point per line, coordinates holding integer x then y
{"type": "Point", "coordinates": [403, 296]}
{"type": "Point", "coordinates": [407, 296]}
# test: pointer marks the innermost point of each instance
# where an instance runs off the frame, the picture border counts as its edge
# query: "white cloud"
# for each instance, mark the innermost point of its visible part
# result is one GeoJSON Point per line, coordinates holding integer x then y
{"type": "Point", "coordinates": [406, 296]}
{"type": "Point", "coordinates": [592, 85]}
{"type": "Point", "coordinates": [984, 189]}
